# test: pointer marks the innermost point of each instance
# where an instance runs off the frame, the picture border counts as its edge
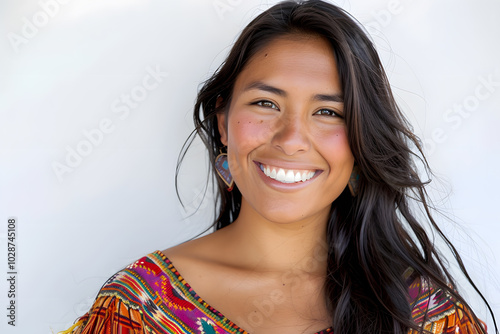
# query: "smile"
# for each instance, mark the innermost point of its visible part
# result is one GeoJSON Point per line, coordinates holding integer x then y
{"type": "Point", "coordinates": [287, 175]}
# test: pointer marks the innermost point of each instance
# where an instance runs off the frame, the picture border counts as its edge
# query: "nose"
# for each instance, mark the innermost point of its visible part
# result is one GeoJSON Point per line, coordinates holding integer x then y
{"type": "Point", "coordinates": [291, 135]}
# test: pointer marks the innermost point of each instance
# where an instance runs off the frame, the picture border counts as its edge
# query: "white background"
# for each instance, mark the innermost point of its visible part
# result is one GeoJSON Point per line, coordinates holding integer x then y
{"type": "Point", "coordinates": [118, 203]}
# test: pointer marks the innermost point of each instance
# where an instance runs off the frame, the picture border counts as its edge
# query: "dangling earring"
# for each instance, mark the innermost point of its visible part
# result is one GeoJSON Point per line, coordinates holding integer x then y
{"type": "Point", "coordinates": [222, 168]}
{"type": "Point", "coordinates": [354, 181]}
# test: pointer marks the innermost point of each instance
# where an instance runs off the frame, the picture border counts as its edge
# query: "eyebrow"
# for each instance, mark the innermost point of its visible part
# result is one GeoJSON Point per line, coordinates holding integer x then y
{"type": "Point", "coordinates": [274, 90]}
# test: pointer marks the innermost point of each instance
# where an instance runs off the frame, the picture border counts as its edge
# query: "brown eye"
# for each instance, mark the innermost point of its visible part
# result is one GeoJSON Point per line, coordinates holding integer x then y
{"type": "Point", "coordinates": [326, 112]}
{"type": "Point", "coordinates": [267, 104]}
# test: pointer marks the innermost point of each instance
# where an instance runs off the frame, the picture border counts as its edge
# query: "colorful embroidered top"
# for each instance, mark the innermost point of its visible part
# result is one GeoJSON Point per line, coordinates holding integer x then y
{"type": "Point", "coordinates": [150, 296]}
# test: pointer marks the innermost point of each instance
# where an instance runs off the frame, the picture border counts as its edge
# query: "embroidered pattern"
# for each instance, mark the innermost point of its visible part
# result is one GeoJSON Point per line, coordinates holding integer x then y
{"type": "Point", "coordinates": [151, 297]}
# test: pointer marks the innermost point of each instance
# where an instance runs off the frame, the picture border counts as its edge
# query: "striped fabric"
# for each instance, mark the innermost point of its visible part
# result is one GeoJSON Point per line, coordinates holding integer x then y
{"type": "Point", "coordinates": [150, 296]}
{"type": "Point", "coordinates": [436, 311]}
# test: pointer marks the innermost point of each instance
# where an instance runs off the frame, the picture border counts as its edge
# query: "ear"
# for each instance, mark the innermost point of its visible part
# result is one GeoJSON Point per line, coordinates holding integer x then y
{"type": "Point", "coordinates": [221, 123]}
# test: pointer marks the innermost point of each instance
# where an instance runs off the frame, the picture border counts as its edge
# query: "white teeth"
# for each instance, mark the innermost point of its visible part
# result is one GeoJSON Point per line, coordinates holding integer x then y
{"type": "Point", "coordinates": [287, 176]}
{"type": "Point", "coordinates": [281, 175]}
{"type": "Point", "coordinates": [304, 176]}
{"type": "Point", "coordinates": [298, 177]}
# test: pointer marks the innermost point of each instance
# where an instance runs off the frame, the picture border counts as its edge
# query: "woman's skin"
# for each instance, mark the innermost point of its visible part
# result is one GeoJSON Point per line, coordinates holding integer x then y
{"type": "Point", "coordinates": [266, 270]}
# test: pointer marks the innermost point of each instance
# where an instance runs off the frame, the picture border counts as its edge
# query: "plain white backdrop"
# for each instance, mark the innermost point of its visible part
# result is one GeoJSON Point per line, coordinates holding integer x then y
{"type": "Point", "coordinates": [95, 103]}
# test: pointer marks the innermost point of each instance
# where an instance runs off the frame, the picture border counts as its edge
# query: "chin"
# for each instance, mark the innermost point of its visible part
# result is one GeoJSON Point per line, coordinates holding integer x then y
{"type": "Point", "coordinates": [288, 214]}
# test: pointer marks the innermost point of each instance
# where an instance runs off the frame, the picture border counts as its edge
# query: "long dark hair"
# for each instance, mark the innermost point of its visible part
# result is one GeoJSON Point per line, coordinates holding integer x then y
{"type": "Point", "coordinates": [372, 237]}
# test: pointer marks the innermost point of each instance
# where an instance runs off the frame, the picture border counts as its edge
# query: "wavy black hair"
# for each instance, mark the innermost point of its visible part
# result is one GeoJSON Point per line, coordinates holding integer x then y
{"type": "Point", "coordinates": [372, 237]}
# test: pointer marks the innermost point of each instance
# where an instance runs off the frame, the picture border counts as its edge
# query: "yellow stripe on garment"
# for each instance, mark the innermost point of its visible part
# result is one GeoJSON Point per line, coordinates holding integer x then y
{"type": "Point", "coordinates": [69, 330]}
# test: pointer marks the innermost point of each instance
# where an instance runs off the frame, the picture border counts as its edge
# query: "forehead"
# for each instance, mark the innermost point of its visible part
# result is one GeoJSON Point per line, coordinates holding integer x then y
{"type": "Point", "coordinates": [304, 61]}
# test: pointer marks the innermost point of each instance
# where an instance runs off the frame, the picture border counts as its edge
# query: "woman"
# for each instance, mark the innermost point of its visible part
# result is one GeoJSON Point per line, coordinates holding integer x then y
{"type": "Point", "coordinates": [315, 231]}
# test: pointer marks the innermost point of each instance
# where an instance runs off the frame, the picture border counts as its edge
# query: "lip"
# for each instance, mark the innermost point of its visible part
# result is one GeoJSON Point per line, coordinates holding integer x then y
{"type": "Point", "coordinates": [286, 186]}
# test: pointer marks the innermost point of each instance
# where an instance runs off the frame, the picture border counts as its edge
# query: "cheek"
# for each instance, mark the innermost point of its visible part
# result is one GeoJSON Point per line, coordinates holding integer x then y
{"type": "Point", "coordinates": [246, 132]}
{"type": "Point", "coordinates": [335, 145]}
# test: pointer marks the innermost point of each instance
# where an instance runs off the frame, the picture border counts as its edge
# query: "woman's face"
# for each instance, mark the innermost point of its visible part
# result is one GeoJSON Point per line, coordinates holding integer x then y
{"type": "Point", "coordinates": [285, 134]}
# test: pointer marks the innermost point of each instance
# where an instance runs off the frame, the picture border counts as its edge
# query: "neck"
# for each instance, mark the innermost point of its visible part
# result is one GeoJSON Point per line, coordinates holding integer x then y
{"type": "Point", "coordinates": [276, 246]}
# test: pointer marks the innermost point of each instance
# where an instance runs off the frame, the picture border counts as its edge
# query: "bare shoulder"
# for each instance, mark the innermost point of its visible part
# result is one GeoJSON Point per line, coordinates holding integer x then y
{"type": "Point", "coordinates": [188, 249]}
{"type": "Point", "coordinates": [198, 255]}
{"type": "Point", "coordinates": [204, 264]}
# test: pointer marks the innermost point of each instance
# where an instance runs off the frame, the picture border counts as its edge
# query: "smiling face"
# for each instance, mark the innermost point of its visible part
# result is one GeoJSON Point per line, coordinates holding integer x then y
{"type": "Point", "coordinates": [285, 134]}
